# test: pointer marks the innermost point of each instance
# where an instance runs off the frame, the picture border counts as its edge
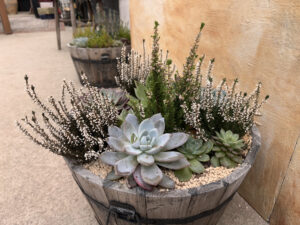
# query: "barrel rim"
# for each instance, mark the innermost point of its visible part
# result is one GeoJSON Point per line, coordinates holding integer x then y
{"type": "Point", "coordinates": [239, 172]}
{"type": "Point", "coordinates": [87, 48]}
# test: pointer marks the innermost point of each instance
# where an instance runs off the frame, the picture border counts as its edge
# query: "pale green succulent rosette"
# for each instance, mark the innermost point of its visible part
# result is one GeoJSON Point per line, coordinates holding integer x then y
{"type": "Point", "coordinates": [146, 146]}
{"type": "Point", "coordinates": [197, 153]}
{"type": "Point", "coordinates": [228, 149]}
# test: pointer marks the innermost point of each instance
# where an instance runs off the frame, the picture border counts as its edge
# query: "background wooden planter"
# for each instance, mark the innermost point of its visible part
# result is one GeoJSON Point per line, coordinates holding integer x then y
{"type": "Point", "coordinates": [98, 64]}
{"type": "Point", "coordinates": [203, 205]}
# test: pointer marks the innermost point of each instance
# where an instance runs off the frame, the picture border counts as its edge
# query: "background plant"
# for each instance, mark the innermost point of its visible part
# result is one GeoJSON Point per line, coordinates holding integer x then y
{"type": "Point", "coordinates": [123, 33]}
{"type": "Point", "coordinates": [74, 126]}
{"type": "Point", "coordinates": [100, 38]}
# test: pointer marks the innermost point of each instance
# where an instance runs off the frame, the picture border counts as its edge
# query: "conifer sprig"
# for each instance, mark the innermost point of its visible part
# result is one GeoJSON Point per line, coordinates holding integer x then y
{"type": "Point", "coordinates": [156, 86]}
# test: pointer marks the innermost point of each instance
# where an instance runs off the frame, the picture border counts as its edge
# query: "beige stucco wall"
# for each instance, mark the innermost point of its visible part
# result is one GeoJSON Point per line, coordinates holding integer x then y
{"type": "Point", "coordinates": [255, 41]}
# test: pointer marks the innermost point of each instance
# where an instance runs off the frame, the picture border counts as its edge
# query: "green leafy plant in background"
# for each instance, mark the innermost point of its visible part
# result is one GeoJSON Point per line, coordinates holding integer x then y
{"type": "Point", "coordinates": [197, 153]}
{"type": "Point", "coordinates": [123, 33]}
{"type": "Point", "coordinates": [100, 38]}
{"type": "Point", "coordinates": [228, 149]}
{"type": "Point", "coordinates": [84, 32]}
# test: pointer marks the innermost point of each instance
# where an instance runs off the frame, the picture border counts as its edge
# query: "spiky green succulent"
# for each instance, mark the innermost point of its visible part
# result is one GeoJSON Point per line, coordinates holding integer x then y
{"type": "Point", "coordinates": [140, 149]}
{"type": "Point", "coordinates": [228, 149]}
{"type": "Point", "coordinates": [196, 153]}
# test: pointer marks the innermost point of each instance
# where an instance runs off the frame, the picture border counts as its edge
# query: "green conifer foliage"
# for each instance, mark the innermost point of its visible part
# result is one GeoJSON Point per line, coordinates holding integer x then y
{"type": "Point", "coordinates": [155, 83]}
{"type": "Point", "coordinates": [158, 94]}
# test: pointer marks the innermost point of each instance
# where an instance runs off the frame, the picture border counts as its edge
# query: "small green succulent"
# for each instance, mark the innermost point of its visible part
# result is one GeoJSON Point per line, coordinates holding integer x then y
{"type": "Point", "coordinates": [122, 116]}
{"type": "Point", "coordinates": [196, 153]}
{"type": "Point", "coordinates": [80, 42]}
{"type": "Point", "coordinates": [116, 96]}
{"type": "Point", "coordinates": [228, 149]}
{"type": "Point", "coordinates": [140, 149]}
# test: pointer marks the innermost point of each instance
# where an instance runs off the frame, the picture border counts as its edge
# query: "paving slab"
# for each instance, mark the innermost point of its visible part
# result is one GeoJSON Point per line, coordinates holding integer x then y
{"type": "Point", "coordinates": [25, 22]}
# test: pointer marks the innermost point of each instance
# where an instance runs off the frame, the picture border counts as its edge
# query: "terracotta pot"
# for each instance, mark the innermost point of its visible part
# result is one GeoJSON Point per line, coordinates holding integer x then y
{"type": "Point", "coordinates": [113, 203]}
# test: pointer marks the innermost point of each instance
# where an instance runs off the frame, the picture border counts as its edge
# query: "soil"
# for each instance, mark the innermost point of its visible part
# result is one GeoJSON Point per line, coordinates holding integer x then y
{"type": "Point", "coordinates": [210, 174]}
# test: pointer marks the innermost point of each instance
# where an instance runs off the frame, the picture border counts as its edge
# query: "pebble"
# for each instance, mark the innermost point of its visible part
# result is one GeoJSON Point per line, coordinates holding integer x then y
{"type": "Point", "coordinates": [210, 174]}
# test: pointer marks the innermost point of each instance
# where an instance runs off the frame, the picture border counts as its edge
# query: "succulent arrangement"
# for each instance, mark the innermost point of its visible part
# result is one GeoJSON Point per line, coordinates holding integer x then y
{"type": "Point", "coordinates": [204, 123]}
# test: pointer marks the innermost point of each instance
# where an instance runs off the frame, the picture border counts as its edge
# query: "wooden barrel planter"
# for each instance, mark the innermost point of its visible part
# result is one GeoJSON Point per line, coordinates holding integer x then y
{"type": "Point", "coordinates": [115, 204]}
{"type": "Point", "coordinates": [98, 64]}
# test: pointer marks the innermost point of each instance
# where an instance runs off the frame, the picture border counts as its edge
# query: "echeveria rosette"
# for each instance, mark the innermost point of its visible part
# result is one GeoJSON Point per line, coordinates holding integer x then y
{"type": "Point", "coordinates": [142, 148]}
{"type": "Point", "coordinates": [196, 153]}
{"type": "Point", "coordinates": [228, 149]}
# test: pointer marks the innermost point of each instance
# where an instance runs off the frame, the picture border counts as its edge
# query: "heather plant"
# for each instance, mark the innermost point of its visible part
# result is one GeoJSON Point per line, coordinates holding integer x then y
{"type": "Point", "coordinates": [132, 68]}
{"type": "Point", "coordinates": [186, 84]}
{"type": "Point", "coordinates": [141, 148]}
{"type": "Point", "coordinates": [74, 126]}
{"type": "Point", "coordinates": [222, 108]}
{"type": "Point", "coordinates": [207, 108]}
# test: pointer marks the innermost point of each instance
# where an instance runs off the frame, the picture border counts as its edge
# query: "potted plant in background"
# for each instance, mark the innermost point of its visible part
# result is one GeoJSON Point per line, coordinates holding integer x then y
{"type": "Point", "coordinates": [170, 149]}
{"type": "Point", "coordinates": [94, 52]}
